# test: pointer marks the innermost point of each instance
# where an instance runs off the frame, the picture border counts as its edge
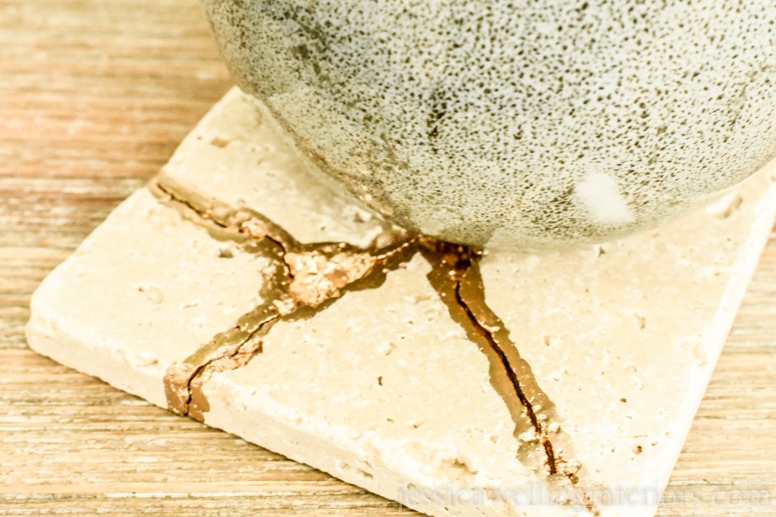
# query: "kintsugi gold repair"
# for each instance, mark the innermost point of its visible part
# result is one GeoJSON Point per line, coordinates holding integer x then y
{"type": "Point", "coordinates": [303, 279]}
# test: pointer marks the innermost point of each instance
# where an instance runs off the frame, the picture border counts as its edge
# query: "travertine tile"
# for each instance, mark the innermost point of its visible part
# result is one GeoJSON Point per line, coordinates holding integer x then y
{"type": "Point", "coordinates": [454, 382]}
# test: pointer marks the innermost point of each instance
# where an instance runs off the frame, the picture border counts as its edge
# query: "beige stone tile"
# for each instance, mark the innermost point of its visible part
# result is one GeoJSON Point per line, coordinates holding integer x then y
{"type": "Point", "coordinates": [384, 388]}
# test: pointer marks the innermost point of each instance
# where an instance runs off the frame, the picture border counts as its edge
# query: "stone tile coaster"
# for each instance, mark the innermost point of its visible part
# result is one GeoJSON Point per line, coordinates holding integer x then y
{"type": "Point", "coordinates": [238, 289]}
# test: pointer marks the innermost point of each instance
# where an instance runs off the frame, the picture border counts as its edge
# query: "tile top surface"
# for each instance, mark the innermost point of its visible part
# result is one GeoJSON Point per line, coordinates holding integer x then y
{"type": "Point", "coordinates": [263, 172]}
{"type": "Point", "coordinates": [246, 294]}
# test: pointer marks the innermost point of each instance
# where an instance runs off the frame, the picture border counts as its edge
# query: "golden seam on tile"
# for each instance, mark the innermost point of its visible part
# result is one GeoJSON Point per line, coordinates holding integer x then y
{"type": "Point", "coordinates": [469, 293]}
{"type": "Point", "coordinates": [448, 263]}
{"type": "Point", "coordinates": [295, 289]}
{"type": "Point", "coordinates": [222, 354]}
{"type": "Point", "coordinates": [542, 412]}
{"type": "Point", "coordinates": [456, 277]}
{"type": "Point", "coordinates": [248, 230]}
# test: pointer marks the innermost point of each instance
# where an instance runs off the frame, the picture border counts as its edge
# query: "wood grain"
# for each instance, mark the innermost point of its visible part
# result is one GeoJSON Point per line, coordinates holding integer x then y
{"type": "Point", "coordinates": [94, 97]}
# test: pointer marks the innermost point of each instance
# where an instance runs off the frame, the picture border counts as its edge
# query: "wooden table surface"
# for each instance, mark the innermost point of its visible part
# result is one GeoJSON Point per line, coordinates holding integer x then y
{"type": "Point", "coordinates": [94, 97]}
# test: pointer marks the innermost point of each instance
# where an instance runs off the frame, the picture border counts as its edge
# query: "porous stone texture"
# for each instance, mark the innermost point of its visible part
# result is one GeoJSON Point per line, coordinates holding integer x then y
{"type": "Point", "coordinates": [513, 124]}
{"type": "Point", "coordinates": [457, 383]}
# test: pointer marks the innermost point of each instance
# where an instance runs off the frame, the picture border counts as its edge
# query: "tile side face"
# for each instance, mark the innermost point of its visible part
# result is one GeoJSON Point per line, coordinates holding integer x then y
{"type": "Point", "coordinates": [427, 372]}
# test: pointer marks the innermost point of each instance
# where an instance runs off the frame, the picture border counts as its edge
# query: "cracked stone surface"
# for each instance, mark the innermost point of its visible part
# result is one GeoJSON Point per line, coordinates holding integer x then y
{"type": "Point", "coordinates": [238, 290]}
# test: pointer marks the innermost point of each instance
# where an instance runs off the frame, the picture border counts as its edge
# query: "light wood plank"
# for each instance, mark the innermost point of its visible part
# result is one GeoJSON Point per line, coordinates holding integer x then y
{"type": "Point", "coordinates": [94, 97]}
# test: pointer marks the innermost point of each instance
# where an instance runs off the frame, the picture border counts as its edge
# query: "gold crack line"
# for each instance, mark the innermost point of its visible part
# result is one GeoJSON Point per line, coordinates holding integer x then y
{"type": "Point", "coordinates": [285, 242]}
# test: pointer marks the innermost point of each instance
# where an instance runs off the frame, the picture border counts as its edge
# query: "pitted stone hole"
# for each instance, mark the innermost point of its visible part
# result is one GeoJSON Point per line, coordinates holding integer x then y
{"type": "Point", "coordinates": [226, 252]}
{"type": "Point", "coordinates": [362, 471]}
{"type": "Point", "coordinates": [152, 293]}
{"type": "Point", "coordinates": [220, 142]}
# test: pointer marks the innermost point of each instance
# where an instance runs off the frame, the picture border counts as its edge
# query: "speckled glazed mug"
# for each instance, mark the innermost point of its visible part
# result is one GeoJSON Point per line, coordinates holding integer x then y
{"type": "Point", "coordinates": [515, 124]}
